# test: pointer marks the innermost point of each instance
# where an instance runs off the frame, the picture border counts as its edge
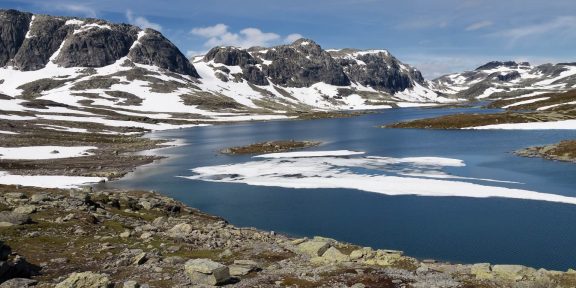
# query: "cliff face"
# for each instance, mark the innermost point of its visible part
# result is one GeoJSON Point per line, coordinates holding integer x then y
{"type": "Point", "coordinates": [30, 42]}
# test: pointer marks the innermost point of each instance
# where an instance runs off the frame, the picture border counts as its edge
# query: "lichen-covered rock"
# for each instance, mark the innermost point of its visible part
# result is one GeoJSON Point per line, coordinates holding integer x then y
{"type": "Point", "coordinates": [86, 280]}
{"type": "Point", "coordinates": [207, 272]}
{"type": "Point", "coordinates": [313, 248]}
{"type": "Point", "coordinates": [180, 230]}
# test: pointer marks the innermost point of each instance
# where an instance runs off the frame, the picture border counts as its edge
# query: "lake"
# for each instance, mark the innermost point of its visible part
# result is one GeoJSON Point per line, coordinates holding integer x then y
{"type": "Point", "coordinates": [455, 229]}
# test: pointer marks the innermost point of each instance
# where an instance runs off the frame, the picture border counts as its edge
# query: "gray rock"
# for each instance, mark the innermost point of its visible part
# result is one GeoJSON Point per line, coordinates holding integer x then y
{"type": "Point", "coordinates": [39, 197]}
{"type": "Point", "coordinates": [302, 64]}
{"type": "Point", "coordinates": [155, 49]}
{"type": "Point", "coordinates": [8, 218]}
{"type": "Point", "coordinates": [13, 28]}
{"type": "Point", "coordinates": [313, 248]}
{"type": "Point", "coordinates": [97, 47]}
{"type": "Point", "coordinates": [378, 70]}
{"type": "Point", "coordinates": [25, 209]}
{"type": "Point", "coordinates": [46, 35]}
{"type": "Point", "coordinates": [19, 283]}
{"type": "Point", "coordinates": [208, 272]}
{"type": "Point", "coordinates": [180, 230]}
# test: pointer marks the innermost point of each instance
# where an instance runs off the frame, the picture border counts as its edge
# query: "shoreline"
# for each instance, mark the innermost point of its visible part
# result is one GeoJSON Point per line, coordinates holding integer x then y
{"type": "Point", "coordinates": [143, 236]}
{"type": "Point", "coordinates": [376, 264]}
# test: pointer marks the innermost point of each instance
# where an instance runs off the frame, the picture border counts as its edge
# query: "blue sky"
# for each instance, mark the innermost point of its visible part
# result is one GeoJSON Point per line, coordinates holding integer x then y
{"type": "Point", "coordinates": [438, 37]}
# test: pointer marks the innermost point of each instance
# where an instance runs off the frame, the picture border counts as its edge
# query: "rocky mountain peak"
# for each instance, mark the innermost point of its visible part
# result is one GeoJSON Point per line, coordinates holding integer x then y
{"type": "Point", "coordinates": [29, 42]}
{"type": "Point", "coordinates": [497, 64]}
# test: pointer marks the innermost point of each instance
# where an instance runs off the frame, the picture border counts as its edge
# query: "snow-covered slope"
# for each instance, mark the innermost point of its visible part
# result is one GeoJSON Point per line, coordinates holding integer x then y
{"type": "Point", "coordinates": [497, 80]}
{"type": "Point", "coordinates": [89, 70]}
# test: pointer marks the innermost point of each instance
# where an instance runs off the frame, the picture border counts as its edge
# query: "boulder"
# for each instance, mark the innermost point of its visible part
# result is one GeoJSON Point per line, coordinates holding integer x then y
{"type": "Point", "coordinates": [86, 280]}
{"type": "Point", "coordinates": [333, 255]}
{"type": "Point", "coordinates": [130, 284]}
{"type": "Point", "coordinates": [180, 230]}
{"type": "Point", "coordinates": [8, 218]}
{"type": "Point", "coordinates": [25, 209]}
{"type": "Point", "coordinates": [207, 272]}
{"type": "Point", "coordinates": [313, 248]}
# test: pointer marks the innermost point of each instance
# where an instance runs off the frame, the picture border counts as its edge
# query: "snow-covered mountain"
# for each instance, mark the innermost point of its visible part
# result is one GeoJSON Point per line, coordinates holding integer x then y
{"type": "Point", "coordinates": [497, 80]}
{"type": "Point", "coordinates": [90, 68]}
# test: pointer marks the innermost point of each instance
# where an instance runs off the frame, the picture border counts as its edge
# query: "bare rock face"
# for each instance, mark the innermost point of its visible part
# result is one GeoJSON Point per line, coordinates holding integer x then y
{"type": "Point", "coordinates": [232, 56]}
{"type": "Point", "coordinates": [97, 47]}
{"type": "Point", "coordinates": [302, 64]}
{"type": "Point", "coordinates": [155, 49]}
{"type": "Point", "coordinates": [44, 38]}
{"type": "Point", "coordinates": [379, 70]}
{"type": "Point", "coordinates": [28, 42]}
{"type": "Point", "coordinates": [13, 27]}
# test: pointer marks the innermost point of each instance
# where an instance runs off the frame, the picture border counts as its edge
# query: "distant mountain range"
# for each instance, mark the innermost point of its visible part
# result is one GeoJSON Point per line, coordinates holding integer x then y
{"type": "Point", "coordinates": [93, 64]}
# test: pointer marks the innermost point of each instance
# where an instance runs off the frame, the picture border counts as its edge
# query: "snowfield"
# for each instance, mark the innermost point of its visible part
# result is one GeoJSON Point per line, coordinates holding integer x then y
{"type": "Point", "coordinates": [47, 181]}
{"type": "Point", "coordinates": [44, 152]}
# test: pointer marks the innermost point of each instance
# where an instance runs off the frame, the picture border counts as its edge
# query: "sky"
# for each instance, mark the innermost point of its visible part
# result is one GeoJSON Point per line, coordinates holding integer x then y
{"type": "Point", "coordinates": [437, 37]}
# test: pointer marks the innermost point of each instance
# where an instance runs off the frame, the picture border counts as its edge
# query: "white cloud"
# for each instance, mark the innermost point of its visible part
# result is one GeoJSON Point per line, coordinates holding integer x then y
{"type": "Point", "coordinates": [479, 25]}
{"type": "Point", "coordinates": [219, 35]}
{"type": "Point", "coordinates": [141, 21]}
{"type": "Point", "coordinates": [562, 26]}
{"type": "Point", "coordinates": [81, 10]}
{"type": "Point", "coordinates": [292, 37]}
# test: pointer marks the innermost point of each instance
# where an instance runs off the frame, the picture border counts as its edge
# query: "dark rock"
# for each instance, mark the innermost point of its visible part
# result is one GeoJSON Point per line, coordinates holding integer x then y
{"type": "Point", "coordinates": [508, 77]}
{"type": "Point", "coordinates": [254, 75]}
{"type": "Point", "coordinates": [302, 64]}
{"type": "Point", "coordinates": [155, 49]}
{"type": "Point", "coordinates": [381, 71]}
{"type": "Point", "coordinates": [13, 28]}
{"type": "Point", "coordinates": [496, 64]}
{"type": "Point", "coordinates": [46, 35]}
{"type": "Point", "coordinates": [230, 56]}
{"type": "Point", "coordinates": [97, 47]}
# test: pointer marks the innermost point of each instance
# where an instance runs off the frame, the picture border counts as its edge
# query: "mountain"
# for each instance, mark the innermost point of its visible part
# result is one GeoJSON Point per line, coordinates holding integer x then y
{"type": "Point", "coordinates": [497, 80]}
{"type": "Point", "coordinates": [94, 68]}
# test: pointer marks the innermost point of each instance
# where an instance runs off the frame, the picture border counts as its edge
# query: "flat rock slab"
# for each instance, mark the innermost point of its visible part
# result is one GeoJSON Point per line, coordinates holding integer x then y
{"type": "Point", "coordinates": [206, 271]}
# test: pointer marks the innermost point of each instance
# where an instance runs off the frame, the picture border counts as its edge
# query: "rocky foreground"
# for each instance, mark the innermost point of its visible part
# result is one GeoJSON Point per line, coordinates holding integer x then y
{"type": "Point", "coordinates": [81, 238]}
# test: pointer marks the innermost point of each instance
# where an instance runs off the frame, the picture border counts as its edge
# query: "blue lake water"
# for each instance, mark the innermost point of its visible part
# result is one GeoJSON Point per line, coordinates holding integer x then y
{"type": "Point", "coordinates": [456, 229]}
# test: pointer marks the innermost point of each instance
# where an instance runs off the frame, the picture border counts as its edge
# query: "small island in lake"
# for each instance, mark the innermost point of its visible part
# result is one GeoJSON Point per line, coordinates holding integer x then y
{"type": "Point", "coordinates": [270, 147]}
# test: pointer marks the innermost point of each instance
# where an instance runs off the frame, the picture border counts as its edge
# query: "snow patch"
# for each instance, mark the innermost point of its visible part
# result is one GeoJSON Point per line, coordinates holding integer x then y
{"type": "Point", "coordinates": [47, 181]}
{"type": "Point", "coordinates": [44, 152]}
